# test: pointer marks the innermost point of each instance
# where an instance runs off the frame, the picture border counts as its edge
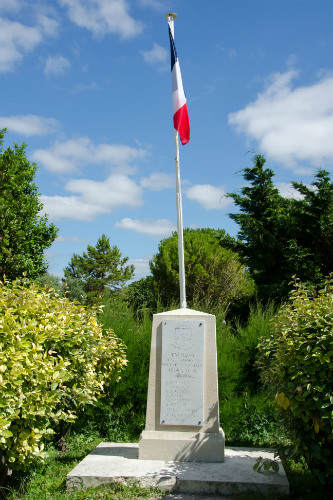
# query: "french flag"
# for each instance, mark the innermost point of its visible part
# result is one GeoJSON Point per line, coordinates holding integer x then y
{"type": "Point", "coordinates": [180, 112]}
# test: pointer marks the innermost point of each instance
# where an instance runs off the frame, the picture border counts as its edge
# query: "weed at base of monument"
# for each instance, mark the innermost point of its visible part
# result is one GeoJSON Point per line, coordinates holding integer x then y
{"type": "Point", "coordinates": [266, 464]}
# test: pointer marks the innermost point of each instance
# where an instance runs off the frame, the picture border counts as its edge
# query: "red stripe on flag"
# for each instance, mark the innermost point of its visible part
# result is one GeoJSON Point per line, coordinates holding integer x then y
{"type": "Point", "coordinates": [182, 124]}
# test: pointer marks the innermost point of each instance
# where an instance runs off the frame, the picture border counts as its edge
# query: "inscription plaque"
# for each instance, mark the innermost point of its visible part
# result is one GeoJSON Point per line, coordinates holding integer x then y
{"type": "Point", "coordinates": [182, 372]}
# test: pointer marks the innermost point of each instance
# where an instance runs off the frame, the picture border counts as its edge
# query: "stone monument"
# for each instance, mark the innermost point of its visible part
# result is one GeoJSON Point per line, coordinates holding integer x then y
{"type": "Point", "coordinates": [182, 421]}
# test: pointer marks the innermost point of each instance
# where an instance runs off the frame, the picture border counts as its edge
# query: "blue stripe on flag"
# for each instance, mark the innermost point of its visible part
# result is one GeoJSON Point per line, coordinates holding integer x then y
{"type": "Point", "coordinates": [172, 50]}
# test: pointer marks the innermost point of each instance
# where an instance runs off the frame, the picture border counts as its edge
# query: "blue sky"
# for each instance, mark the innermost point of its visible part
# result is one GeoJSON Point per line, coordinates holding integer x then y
{"type": "Point", "coordinates": [87, 85]}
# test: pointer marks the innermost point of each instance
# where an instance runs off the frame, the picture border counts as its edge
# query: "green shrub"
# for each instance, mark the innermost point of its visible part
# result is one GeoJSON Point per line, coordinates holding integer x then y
{"type": "Point", "coordinates": [247, 416]}
{"type": "Point", "coordinates": [120, 417]}
{"type": "Point", "coordinates": [54, 360]}
{"type": "Point", "coordinates": [250, 420]}
{"type": "Point", "coordinates": [142, 295]}
{"type": "Point", "coordinates": [237, 351]}
{"type": "Point", "coordinates": [297, 365]}
{"type": "Point", "coordinates": [213, 271]}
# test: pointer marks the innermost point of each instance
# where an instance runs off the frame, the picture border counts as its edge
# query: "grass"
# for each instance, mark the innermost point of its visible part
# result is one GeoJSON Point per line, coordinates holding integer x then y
{"type": "Point", "coordinates": [48, 481]}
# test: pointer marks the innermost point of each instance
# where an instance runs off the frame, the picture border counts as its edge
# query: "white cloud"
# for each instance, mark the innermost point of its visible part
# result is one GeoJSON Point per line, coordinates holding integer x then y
{"type": "Point", "coordinates": [154, 4]}
{"type": "Point", "coordinates": [10, 5]}
{"type": "Point", "coordinates": [290, 124]}
{"type": "Point", "coordinates": [68, 156]}
{"type": "Point", "coordinates": [103, 16]}
{"type": "Point", "coordinates": [56, 65]}
{"type": "Point", "coordinates": [62, 239]}
{"type": "Point", "coordinates": [210, 197]}
{"type": "Point", "coordinates": [29, 124]}
{"type": "Point", "coordinates": [94, 198]}
{"type": "Point", "coordinates": [116, 191]}
{"type": "Point", "coordinates": [70, 207]}
{"type": "Point", "coordinates": [158, 181]}
{"type": "Point", "coordinates": [48, 24]}
{"type": "Point", "coordinates": [157, 55]}
{"type": "Point", "coordinates": [231, 53]}
{"type": "Point", "coordinates": [287, 190]}
{"type": "Point", "coordinates": [141, 267]}
{"type": "Point", "coordinates": [155, 228]}
{"type": "Point", "coordinates": [52, 255]}
{"type": "Point", "coordinates": [17, 39]}
{"type": "Point", "coordinates": [83, 87]}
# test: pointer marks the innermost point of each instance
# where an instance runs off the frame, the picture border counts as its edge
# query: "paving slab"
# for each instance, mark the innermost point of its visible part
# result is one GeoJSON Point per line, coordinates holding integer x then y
{"type": "Point", "coordinates": [118, 462]}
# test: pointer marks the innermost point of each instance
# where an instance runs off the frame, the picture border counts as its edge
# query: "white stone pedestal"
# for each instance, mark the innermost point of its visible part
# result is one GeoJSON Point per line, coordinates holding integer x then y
{"type": "Point", "coordinates": [182, 421]}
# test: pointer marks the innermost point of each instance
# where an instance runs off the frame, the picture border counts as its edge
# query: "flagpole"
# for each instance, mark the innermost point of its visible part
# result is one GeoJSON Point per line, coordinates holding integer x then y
{"type": "Point", "coordinates": [170, 17]}
{"type": "Point", "coordinates": [180, 229]}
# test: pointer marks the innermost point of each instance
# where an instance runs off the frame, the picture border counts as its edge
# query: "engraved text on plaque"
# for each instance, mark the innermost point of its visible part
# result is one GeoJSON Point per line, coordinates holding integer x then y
{"type": "Point", "coordinates": [182, 372]}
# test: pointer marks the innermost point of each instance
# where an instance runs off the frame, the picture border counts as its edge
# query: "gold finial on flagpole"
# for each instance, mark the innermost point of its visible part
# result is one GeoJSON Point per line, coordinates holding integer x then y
{"type": "Point", "coordinates": [171, 16]}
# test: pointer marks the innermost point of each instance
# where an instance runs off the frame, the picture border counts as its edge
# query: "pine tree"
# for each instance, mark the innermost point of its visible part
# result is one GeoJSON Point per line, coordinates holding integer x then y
{"type": "Point", "coordinates": [100, 270]}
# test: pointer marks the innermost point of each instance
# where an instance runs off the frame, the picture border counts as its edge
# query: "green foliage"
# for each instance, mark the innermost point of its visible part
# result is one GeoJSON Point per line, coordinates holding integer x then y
{"type": "Point", "coordinates": [47, 280]}
{"type": "Point", "coordinates": [266, 464]}
{"type": "Point", "coordinates": [250, 420]}
{"type": "Point", "coordinates": [142, 295]}
{"type": "Point", "coordinates": [213, 272]}
{"type": "Point", "coordinates": [264, 222]}
{"type": "Point", "coordinates": [74, 289]}
{"type": "Point", "coordinates": [47, 481]}
{"type": "Point", "coordinates": [314, 228]}
{"type": "Point", "coordinates": [246, 412]}
{"type": "Point", "coordinates": [296, 363]}
{"type": "Point", "coordinates": [24, 234]}
{"type": "Point", "coordinates": [237, 351]}
{"type": "Point", "coordinates": [245, 348]}
{"type": "Point", "coordinates": [122, 415]}
{"type": "Point", "coordinates": [98, 271]}
{"type": "Point", "coordinates": [54, 360]}
{"type": "Point", "coordinates": [303, 486]}
{"type": "Point", "coordinates": [280, 237]}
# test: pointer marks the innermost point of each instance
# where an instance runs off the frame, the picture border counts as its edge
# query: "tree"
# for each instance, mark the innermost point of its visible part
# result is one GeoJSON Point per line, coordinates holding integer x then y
{"type": "Point", "coordinates": [280, 237]}
{"type": "Point", "coordinates": [213, 272]}
{"type": "Point", "coordinates": [100, 270]}
{"type": "Point", "coordinates": [49, 281]}
{"type": "Point", "coordinates": [264, 221]}
{"type": "Point", "coordinates": [24, 234]}
{"type": "Point", "coordinates": [314, 227]}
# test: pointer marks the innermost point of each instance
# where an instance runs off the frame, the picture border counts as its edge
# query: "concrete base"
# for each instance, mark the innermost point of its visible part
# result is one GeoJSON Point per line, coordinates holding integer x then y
{"type": "Point", "coordinates": [112, 462]}
{"type": "Point", "coordinates": [182, 446]}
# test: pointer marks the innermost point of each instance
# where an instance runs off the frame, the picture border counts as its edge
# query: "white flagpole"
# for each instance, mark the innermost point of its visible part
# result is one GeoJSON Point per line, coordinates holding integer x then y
{"type": "Point", "coordinates": [170, 17]}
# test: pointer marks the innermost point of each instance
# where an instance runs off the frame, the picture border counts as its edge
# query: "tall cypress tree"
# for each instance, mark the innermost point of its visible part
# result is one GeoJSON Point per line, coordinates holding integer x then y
{"type": "Point", "coordinates": [264, 228]}
{"type": "Point", "coordinates": [281, 237]}
{"type": "Point", "coordinates": [313, 216]}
